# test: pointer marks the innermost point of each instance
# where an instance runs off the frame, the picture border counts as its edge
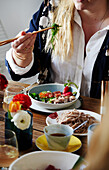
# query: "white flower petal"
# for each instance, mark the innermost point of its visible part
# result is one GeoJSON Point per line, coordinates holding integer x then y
{"type": "Point", "coordinates": [22, 119]}
{"type": "Point", "coordinates": [13, 114]}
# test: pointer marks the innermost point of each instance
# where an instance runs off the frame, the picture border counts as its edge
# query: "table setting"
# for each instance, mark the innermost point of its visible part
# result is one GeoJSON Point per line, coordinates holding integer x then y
{"type": "Point", "coordinates": [30, 132]}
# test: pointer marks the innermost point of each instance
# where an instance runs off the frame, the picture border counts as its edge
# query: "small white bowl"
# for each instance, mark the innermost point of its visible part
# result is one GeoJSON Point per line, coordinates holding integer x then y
{"type": "Point", "coordinates": [41, 159]}
{"type": "Point", "coordinates": [52, 87]}
{"type": "Point", "coordinates": [54, 135]}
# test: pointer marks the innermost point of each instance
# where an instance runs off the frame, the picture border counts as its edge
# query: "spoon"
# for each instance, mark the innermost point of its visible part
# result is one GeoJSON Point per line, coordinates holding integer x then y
{"type": "Point", "coordinates": [27, 88]}
{"type": "Point", "coordinates": [80, 125]}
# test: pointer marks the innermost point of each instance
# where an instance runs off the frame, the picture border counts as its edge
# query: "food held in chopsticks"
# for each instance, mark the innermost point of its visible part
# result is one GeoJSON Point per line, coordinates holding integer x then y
{"type": "Point", "coordinates": [54, 32]}
{"type": "Point", "coordinates": [54, 27]}
{"type": "Point", "coordinates": [74, 118]}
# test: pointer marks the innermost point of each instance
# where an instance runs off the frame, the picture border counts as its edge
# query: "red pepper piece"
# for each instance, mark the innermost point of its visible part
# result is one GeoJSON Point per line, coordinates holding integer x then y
{"type": "Point", "coordinates": [68, 93]}
{"type": "Point", "coordinates": [57, 93]}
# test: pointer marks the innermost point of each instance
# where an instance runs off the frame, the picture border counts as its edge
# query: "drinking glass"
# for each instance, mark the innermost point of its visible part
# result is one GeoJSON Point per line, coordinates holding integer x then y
{"type": "Point", "coordinates": [9, 93]}
{"type": "Point", "coordinates": [91, 130]}
{"type": "Point", "coordinates": [8, 148]}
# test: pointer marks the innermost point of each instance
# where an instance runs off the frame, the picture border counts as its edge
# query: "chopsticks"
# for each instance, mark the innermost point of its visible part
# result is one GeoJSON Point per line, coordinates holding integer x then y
{"type": "Point", "coordinates": [11, 40]}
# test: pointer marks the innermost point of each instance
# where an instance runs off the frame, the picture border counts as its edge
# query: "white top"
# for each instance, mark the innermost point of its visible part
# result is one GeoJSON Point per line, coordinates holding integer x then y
{"type": "Point", "coordinates": [78, 69]}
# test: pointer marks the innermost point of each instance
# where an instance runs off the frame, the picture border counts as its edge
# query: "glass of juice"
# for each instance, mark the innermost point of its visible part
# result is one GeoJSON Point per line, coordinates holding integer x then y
{"type": "Point", "coordinates": [8, 148]}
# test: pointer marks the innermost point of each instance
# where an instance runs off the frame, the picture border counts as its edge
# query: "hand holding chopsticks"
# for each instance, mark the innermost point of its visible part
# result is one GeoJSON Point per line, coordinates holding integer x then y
{"type": "Point", "coordinates": [11, 40]}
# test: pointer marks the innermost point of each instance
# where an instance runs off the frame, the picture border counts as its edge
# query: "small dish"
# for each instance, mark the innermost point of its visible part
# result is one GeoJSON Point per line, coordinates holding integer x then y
{"type": "Point", "coordinates": [73, 146]}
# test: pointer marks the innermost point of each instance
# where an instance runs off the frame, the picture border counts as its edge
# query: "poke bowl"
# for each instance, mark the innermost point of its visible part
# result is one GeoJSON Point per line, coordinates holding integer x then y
{"type": "Point", "coordinates": [57, 98]}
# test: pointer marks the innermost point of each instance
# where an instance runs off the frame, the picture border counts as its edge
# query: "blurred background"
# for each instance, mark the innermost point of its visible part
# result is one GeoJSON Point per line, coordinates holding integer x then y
{"type": "Point", "coordinates": [14, 17]}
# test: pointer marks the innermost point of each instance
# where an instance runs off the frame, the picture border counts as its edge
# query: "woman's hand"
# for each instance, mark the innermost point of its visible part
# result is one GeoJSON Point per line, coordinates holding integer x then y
{"type": "Point", "coordinates": [22, 49]}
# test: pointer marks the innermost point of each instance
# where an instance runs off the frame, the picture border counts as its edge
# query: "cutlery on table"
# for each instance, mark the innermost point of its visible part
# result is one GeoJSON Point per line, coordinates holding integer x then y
{"type": "Point", "coordinates": [28, 87]}
{"type": "Point", "coordinates": [80, 125]}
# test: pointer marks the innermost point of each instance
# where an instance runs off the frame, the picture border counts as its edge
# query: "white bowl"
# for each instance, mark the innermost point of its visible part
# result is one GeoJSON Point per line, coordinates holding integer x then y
{"type": "Point", "coordinates": [58, 143]}
{"type": "Point", "coordinates": [52, 87]}
{"type": "Point", "coordinates": [41, 159]}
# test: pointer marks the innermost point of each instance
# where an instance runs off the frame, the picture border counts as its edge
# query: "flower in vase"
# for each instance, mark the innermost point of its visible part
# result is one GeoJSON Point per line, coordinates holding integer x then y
{"type": "Point", "coordinates": [24, 100]}
{"type": "Point", "coordinates": [17, 111]}
{"type": "Point", "coordinates": [14, 106]}
{"type": "Point", "coordinates": [21, 119]}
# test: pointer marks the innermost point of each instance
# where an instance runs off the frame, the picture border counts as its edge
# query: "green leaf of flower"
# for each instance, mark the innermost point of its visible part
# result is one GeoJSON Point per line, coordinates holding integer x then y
{"type": "Point", "coordinates": [9, 115]}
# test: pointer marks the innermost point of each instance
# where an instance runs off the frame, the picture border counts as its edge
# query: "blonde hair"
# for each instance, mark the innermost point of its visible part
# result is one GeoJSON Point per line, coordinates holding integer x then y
{"type": "Point", "coordinates": [63, 16]}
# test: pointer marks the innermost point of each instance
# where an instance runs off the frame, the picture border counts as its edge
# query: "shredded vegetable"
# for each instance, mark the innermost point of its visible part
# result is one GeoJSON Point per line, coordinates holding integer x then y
{"type": "Point", "coordinates": [54, 32]}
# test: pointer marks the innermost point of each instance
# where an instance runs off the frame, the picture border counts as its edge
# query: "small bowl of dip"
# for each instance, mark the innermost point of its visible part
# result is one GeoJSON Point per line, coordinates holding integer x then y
{"type": "Point", "coordinates": [58, 136]}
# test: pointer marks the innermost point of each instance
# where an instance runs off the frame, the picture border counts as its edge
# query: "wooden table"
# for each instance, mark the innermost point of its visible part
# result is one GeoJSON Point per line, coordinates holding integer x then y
{"type": "Point", "coordinates": [40, 117]}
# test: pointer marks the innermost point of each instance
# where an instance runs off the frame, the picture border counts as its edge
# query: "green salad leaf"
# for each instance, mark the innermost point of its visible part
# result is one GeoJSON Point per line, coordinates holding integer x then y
{"type": "Point", "coordinates": [35, 96]}
{"type": "Point", "coordinates": [54, 31]}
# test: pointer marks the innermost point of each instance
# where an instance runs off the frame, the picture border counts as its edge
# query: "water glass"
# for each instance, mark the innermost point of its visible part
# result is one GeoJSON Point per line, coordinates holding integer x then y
{"type": "Point", "coordinates": [91, 130]}
{"type": "Point", "coordinates": [10, 92]}
{"type": "Point", "coordinates": [8, 148]}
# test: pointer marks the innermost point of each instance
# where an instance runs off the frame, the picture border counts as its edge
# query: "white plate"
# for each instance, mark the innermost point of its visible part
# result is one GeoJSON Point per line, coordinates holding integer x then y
{"type": "Point", "coordinates": [41, 159]}
{"type": "Point", "coordinates": [36, 107]}
{"type": "Point", "coordinates": [95, 115]}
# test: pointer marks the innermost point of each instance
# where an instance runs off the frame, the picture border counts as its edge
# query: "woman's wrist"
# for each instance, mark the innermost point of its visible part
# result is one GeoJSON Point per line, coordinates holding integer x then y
{"type": "Point", "coordinates": [22, 60]}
